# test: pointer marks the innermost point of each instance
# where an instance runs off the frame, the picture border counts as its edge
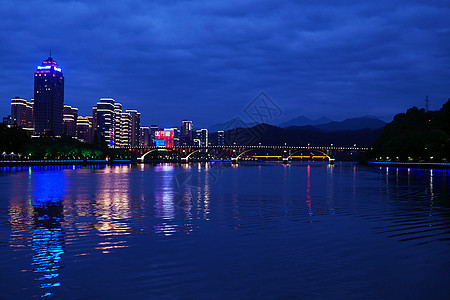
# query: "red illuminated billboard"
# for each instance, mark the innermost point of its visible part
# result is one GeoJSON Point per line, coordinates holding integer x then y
{"type": "Point", "coordinates": [166, 135]}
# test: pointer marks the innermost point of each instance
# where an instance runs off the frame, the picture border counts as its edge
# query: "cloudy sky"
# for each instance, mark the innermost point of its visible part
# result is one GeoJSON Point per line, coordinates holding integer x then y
{"type": "Point", "coordinates": [207, 60]}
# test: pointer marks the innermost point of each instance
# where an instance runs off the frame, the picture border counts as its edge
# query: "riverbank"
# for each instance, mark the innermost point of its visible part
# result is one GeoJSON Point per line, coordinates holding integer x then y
{"type": "Point", "coordinates": [423, 165]}
{"type": "Point", "coordinates": [6, 163]}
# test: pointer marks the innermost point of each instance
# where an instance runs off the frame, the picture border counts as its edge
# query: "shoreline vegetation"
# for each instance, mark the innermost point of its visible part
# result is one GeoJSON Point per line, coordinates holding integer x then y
{"type": "Point", "coordinates": [16, 145]}
{"type": "Point", "coordinates": [417, 137]}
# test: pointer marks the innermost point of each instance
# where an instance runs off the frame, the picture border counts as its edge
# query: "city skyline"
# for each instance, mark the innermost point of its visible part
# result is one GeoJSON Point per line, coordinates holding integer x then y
{"type": "Point", "coordinates": [206, 61]}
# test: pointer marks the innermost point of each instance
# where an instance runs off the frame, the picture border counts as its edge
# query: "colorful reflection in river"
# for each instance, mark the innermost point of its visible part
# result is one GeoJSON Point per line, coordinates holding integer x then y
{"type": "Point", "coordinates": [164, 199]}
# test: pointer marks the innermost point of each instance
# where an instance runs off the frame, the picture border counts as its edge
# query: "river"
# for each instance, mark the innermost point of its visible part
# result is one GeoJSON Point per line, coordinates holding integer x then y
{"type": "Point", "coordinates": [222, 231]}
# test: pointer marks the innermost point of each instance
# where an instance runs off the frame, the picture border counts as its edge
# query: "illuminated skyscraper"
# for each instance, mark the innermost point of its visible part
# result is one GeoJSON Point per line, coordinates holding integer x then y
{"type": "Point", "coordinates": [186, 133]}
{"type": "Point", "coordinates": [22, 112]}
{"type": "Point", "coordinates": [48, 98]}
{"type": "Point", "coordinates": [104, 120]}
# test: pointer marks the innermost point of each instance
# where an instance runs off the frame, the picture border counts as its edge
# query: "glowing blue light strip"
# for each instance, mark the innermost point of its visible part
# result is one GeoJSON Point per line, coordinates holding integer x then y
{"type": "Point", "coordinates": [408, 163]}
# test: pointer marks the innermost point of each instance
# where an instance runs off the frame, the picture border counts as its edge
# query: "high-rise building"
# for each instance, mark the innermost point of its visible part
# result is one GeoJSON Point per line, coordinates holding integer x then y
{"type": "Point", "coordinates": [186, 133]}
{"type": "Point", "coordinates": [70, 119]}
{"type": "Point", "coordinates": [104, 119]}
{"type": "Point", "coordinates": [22, 112]}
{"type": "Point", "coordinates": [220, 138]}
{"type": "Point", "coordinates": [120, 138]}
{"type": "Point", "coordinates": [144, 141]}
{"type": "Point", "coordinates": [202, 135]}
{"type": "Point", "coordinates": [135, 127]}
{"type": "Point", "coordinates": [84, 129]}
{"type": "Point", "coordinates": [48, 98]}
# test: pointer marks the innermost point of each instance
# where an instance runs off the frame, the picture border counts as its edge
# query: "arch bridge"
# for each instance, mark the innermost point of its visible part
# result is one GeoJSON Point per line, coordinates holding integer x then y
{"type": "Point", "coordinates": [284, 153]}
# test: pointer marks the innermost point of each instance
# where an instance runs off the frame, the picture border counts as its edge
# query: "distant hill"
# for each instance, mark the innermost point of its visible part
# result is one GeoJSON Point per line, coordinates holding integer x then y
{"type": "Point", "coordinates": [233, 123]}
{"type": "Point", "coordinates": [303, 121]}
{"type": "Point", "coordinates": [322, 124]}
{"type": "Point", "coordinates": [352, 124]}
{"type": "Point", "coordinates": [297, 136]}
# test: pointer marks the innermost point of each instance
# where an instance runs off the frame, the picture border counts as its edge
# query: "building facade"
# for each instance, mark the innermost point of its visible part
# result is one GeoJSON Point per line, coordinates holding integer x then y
{"type": "Point", "coordinates": [84, 129]}
{"type": "Point", "coordinates": [125, 130]}
{"type": "Point", "coordinates": [144, 140]}
{"type": "Point", "coordinates": [22, 112]}
{"type": "Point", "coordinates": [153, 129]}
{"type": "Point", "coordinates": [220, 138]}
{"type": "Point", "coordinates": [202, 136]}
{"type": "Point", "coordinates": [187, 129]}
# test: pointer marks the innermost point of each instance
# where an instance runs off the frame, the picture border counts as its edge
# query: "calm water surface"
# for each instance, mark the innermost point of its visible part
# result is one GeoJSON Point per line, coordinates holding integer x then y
{"type": "Point", "coordinates": [219, 231]}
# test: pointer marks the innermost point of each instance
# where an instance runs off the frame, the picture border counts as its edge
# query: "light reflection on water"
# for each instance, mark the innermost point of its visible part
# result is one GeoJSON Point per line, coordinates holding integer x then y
{"type": "Point", "coordinates": [252, 222]}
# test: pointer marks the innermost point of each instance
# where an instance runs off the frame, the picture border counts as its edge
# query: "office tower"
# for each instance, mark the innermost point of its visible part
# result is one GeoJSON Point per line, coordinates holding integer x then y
{"type": "Point", "coordinates": [153, 129]}
{"type": "Point", "coordinates": [196, 142]}
{"type": "Point", "coordinates": [84, 129]}
{"type": "Point", "coordinates": [70, 118]}
{"type": "Point", "coordinates": [144, 141]}
{"type": "Point", "coordinates": [220, 138]}
{"type": "Point", "coordinates": [186, 133]}
{"type": "Point", "coordinates": [48, 98]}
{"type": "Point", "coordinates": [202, 135]}
{"type": "Point", "coordinates": [22, 112]}
{"type": "Point", "coordinates": [135, 127]}
{"type": "Point", "coordinates": [104, 120]}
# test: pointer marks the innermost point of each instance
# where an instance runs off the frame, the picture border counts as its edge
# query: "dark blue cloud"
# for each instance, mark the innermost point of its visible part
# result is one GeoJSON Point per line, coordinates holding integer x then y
{"type": "Point", "coordinates": [206, 60]}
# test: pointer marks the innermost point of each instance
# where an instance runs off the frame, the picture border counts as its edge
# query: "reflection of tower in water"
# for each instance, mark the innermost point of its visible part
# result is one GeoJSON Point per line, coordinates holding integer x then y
{"type": "Point", "coordinates": [48, 237]}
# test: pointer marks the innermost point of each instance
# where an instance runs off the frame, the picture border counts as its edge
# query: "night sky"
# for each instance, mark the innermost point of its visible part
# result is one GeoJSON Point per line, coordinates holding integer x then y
{"type": "Point", "coordinates": [206, 60]}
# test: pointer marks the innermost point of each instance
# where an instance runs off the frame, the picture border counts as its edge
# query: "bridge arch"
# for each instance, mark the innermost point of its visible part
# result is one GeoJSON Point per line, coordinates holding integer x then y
{"type": "Point", "coordinates": [253, 149]}
{"type": "Point", "coordinates": [317, 150]}
{"type": "Point", "coordinates": [142, 158]}
{"type": "Point", "coordinates": [193, 152]}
